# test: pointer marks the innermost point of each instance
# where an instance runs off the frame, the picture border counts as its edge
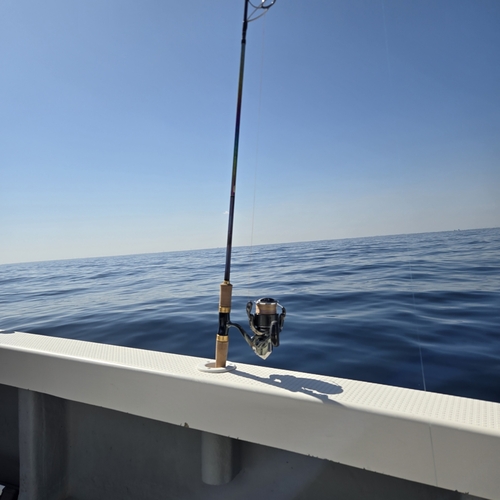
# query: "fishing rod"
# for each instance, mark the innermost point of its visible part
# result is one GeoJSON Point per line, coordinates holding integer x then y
{"type": "Point", "coordinates": [265, 324]}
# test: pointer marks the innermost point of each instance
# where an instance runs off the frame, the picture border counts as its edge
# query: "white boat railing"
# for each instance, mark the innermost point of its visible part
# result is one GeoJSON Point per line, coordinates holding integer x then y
{"type": "Point", "coordinates": [439, 440]}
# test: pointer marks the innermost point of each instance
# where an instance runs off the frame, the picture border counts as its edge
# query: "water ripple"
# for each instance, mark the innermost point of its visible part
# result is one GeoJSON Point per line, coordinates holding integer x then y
{"type": "Point", "coordinates": [365, 308]}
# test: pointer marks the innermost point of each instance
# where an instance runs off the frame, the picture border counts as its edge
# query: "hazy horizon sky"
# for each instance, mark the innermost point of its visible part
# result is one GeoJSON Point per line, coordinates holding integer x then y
{"type": "Point", "coordinates": [360, 118]}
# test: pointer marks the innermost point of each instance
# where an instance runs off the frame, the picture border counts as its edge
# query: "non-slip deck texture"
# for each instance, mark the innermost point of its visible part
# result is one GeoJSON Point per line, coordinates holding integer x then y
{"type": "Point", "coordinates": [482, 415]}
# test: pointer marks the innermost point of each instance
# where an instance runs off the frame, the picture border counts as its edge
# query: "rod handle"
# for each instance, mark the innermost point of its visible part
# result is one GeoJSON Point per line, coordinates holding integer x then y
{"type": "Point", "coordinates": [226, 292]}
{"type": "Point", "coordinates": [221, 348]}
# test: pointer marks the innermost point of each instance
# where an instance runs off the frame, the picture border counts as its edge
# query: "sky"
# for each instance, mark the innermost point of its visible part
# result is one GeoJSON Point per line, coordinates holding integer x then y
{"type": "Point", "coordinates": [359, 118]}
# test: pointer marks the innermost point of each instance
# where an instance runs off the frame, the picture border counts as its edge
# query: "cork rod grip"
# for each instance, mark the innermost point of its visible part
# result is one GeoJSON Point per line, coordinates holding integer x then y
{"type": "Point", "coordinates": [226, 291]}
{"type": "Point", "coordinates": [221, 347]}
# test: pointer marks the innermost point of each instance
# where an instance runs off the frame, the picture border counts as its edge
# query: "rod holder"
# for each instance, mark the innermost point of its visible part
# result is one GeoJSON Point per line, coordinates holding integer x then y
{"type": "Point", "coordinates": [220, 459]}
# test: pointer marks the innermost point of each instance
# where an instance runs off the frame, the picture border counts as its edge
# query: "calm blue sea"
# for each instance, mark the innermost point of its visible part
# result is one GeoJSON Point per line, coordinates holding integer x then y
{"type": "Point", "coordinates": [419, 311]}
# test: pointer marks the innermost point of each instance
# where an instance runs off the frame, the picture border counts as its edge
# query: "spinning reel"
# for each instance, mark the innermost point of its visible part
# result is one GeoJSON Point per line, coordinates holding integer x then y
{"type": "Point", "coordinates": [266, 325]}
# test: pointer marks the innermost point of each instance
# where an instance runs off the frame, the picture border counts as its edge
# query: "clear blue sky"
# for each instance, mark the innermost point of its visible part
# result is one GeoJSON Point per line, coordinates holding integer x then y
{"type": "Point", "coordinates": [360, 117]}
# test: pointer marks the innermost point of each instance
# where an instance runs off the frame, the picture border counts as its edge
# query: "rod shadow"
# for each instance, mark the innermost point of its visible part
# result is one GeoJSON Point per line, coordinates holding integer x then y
{"type": "Point", "coordinates": [312, 387]}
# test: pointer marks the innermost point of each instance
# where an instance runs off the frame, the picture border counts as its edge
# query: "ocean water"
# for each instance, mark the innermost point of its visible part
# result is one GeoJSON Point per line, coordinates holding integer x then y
{"type": "Point", "coordinates": [419, 311]}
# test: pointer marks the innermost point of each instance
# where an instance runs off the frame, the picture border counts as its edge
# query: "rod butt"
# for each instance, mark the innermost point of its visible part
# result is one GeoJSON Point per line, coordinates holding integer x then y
{"type": "Point", "coordinates": [221, 347]}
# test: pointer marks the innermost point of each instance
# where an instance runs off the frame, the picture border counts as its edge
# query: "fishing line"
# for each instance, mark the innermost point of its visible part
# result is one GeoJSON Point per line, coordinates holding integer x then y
{"type": "Point", "coordinates": [419, 342]}
{"type": "Point", "coordinates": [386, 43]}
{"type": "Point", "coordinates": [250, 273]}
{"type": "Point", "coordinates": [392, 92]}
{"type": "Point", "coordinates": [417, 327]}
{"type": "Point", "coordinates": [408, 244]}
{"type": "Point", "coordinates": [389, 71]}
